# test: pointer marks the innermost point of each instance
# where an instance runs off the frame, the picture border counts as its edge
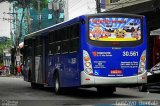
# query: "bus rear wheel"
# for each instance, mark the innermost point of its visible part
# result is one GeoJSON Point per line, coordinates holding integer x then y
{"type": "Point", "coordinates": [106, 90]}
{"type": "Point", "coordinates": [35, 85]}
{"type": "Point", "coordinates": [142, 88]}
{"type": "Point", "coordinates": [57, 88]}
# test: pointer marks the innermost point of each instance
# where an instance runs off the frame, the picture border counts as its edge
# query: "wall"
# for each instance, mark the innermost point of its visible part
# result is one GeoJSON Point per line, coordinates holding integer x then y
{"type": "Point", "coordinates": [74, 8]}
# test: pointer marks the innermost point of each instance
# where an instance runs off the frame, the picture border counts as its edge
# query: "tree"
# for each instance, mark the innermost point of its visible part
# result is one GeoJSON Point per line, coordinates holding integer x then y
{"type": "Point", "coordinates": [20, 4]}
{"type": "Point", "coordinates": [24, 4]}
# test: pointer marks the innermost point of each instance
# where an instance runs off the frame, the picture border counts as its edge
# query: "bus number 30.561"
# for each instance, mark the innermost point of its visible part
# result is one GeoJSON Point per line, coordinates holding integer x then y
{"type": "Point", "coordinates": [130, 53]}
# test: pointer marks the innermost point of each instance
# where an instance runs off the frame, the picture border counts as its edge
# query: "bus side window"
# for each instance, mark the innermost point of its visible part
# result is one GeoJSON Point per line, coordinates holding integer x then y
{"type": "Point", "coordinates": [58, 35]}
{"type": "Point", "coordinates": [52, 48]}
{"type": "Point", "coordinates": [51, 37]}
{"type": "Point", "coordinates": [64, 35]}
{"type": "Point", "coordinates": [65, 47]}
{"type": "Point", "coordinates": [58, 47]}
{"type": "Point", "coordinates": [74, 31]}
{"type": "Point", "coordinates": [74, 45]}
{"type": "Point", "coordinates": [29, 48]}
{"type": "Point", "coordinates": [38, 46]}
{"type": "Point", "coordinates": [74, 38]}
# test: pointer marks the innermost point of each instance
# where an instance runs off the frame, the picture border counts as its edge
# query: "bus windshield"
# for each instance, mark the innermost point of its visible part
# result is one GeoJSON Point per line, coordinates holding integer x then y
{"type": "Point", "coordinates": [115, 29]}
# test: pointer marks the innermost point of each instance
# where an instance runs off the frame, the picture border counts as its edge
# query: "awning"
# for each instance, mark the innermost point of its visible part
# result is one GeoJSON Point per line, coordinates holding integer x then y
{"type": "Point", "coordinates": [155, 32]}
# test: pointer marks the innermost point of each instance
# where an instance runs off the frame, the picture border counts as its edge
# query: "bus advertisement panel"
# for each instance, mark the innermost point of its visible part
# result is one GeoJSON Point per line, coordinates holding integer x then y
{"type": "Point", "coordinates": [115, 29]}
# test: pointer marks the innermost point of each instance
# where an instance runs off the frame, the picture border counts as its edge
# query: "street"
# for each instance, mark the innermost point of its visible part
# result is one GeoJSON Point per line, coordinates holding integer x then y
{"type": "Point", "coordinates": [12, 88]}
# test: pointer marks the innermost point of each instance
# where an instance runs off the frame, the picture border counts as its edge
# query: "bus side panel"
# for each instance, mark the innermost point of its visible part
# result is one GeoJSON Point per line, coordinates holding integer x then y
{"type": "Point", "coordinates": [51, 69]}
{"type": "Point", "coordinates": [38, 69]}
{"type": "Point", "coordinates": [33, 62]}
{"type": "Point", "coordinates": [27, 68]}
{"type": "Point", "coordinates": [69, 70]}
{"type": "Point", "coordinates": [45, 60]}
{"type": "Point", "coordinates": [67, 67]}
{"type": "Point", "coordinates": [83, 33]}
{"type": "Point", "coordinates": [145, 46]}
{"type": "Point", "coordinates": [145, 39]}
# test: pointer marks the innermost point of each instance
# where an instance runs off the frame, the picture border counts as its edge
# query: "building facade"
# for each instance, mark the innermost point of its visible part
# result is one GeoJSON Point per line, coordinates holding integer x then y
{"type": "Point", "coordinates": [74, 8]}
{"type": "Point", "coordinates": [6, 57]}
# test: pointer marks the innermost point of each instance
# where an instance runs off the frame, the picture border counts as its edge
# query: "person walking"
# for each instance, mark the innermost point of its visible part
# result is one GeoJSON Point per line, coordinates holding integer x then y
{"type": "Point", "coordinates": [19, 70]}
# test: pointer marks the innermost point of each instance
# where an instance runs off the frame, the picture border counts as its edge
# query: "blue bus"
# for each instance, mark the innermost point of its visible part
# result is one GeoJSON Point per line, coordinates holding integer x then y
{"type": "Point", "coordinates": [99, 50]}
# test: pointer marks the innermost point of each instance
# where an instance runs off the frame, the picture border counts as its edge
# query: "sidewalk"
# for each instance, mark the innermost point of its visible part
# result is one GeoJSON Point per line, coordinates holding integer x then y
{"type": "Point", "coordinates": [12, 76]}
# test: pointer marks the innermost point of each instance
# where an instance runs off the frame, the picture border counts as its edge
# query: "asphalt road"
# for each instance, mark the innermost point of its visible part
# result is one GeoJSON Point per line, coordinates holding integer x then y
{"type": "Point", "coordinates": [15, 91]}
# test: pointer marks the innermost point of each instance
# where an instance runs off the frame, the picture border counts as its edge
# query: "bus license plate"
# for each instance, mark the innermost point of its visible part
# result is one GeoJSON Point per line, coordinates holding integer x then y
{"type": "Point", "coordinates": [116, 71]}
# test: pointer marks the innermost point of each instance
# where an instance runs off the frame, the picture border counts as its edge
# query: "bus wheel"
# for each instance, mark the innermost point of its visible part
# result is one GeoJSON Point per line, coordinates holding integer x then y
{"type": "Point", "coordinates": [57, 84]}
{"type": "Point", "coordinates": [106, 90]}
{"type": "Point", "coordinates": [33, 85]}
{"type": "Point", "coordinates": [142, 88]}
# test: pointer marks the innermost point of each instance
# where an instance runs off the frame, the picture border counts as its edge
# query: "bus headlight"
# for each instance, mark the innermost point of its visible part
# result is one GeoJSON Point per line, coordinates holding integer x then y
{"type": "Point", "coordinates": [87, 63]}
{"type": "Point", "coordinates": [142, 63]}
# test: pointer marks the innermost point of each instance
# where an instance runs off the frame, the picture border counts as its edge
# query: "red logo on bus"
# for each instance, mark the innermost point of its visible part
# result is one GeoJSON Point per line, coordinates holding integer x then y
{"type": "Point", "coordinates": [94, 53]}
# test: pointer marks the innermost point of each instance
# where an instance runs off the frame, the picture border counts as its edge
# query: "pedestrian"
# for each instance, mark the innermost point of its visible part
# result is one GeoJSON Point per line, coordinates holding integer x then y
{"type": "Point", "coordinates": [11, 69]}
{"type": "Point", "coordinates": [15, 70]}
{"type": "Point", "coordinates": [19, 70]}
{"type": "Point", "coordinates": [22, 69]}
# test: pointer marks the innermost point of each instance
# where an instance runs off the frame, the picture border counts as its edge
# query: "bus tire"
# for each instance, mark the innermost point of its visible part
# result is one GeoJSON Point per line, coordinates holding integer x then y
{"type": "Point", "coordinates": [57, 87]}
{"type": "Point", "coordinates": [33, 85]}
{"type": "Point", "coordinates": [142, 88]}
{"type": "Point", "coordinates": [106, 90]}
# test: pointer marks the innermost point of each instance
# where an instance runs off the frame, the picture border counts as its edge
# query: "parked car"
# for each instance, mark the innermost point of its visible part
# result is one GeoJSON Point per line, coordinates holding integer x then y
{"type": "Point", "coordinates": [0, 72]}
{"type": "Point", "coordinates": [2, 68]}
{"type": "Point", "coordinates": [130, 27]}
{"type": "Point", "coordinates": [153, 78]}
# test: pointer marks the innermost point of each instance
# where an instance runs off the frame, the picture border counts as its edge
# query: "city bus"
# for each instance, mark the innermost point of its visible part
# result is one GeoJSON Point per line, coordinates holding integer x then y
{"type": "Point", "coordinates": [85, 52]}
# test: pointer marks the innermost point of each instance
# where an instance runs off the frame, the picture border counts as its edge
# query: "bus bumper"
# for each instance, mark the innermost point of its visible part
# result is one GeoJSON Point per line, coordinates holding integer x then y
{"type": "Point", "coordinates": [95, 80]}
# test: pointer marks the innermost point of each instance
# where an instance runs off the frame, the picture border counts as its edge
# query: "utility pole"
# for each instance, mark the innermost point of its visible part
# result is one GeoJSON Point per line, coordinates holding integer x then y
{"type": "Point", "coordinates": [39, 15]}
{"type": "Point", "coordinates": [28, 20]}
{"type": "Point", "coordinates": [17, 30]}
{"type": "Point", "coordinates": [55, 7]}
{"type": "Point", "coordinates": [98, 7]}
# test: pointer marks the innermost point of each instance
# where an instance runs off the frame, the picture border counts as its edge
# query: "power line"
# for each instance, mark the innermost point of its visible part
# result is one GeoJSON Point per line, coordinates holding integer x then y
{"type": "Point", "coordinates": [7, 19]}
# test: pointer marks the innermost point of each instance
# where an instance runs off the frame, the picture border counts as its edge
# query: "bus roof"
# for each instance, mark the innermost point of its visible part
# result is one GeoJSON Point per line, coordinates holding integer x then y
{"type": "Point", "coordinates": [53, 27]}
